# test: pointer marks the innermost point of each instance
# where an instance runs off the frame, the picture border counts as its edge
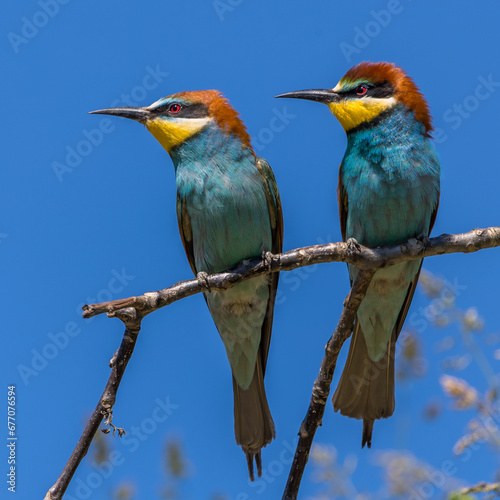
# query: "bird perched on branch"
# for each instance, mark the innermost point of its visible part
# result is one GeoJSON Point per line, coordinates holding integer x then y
{"type": "Point", "coordinates": [228, 209]}
{"type": "Point", "coordinates": [388, 192]}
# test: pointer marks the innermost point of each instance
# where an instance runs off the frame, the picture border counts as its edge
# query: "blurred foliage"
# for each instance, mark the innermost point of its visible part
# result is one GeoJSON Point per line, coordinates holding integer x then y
{"type": "Point", "coordinates": [411, 361]}
{"type": "Point", "coordinates": [100, 447]}
{"type": "Point", "coordinates": [492, 490]}
{"type": "Point", "coordinates": [432, 409]}
{"type": "Point", "coordinates": [124, 491]}
{"type": "Point", "coordinates": [404, 476]}
{"type": "Point", "coordinates": [336, 476]}
{"type": "Point", "coordinates": [176, 469]}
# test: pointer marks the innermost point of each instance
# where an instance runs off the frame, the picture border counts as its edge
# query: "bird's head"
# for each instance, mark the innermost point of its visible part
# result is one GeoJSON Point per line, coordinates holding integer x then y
{"type": "Point", "coordinates": [366, 91]}
{"type": "Point", "coordinates": [176, 118]}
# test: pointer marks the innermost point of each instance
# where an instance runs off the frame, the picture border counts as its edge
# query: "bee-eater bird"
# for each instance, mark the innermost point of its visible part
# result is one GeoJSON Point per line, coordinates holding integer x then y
{"type": "Point", "coordinates": [228, 209]}
{"type": "Point", "coordinates": [388, 192]}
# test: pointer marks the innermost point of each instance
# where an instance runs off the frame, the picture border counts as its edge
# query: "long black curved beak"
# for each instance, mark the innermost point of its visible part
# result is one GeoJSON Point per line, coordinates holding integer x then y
{"type": "Point", "coordinates": [137, 114]}
{"type": "Point", "coordinates": [320, 95]}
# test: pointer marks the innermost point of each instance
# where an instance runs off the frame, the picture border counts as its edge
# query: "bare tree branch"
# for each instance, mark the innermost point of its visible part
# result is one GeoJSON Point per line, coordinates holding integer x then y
{"type": "Point", "coordinates": [321, 388]}
{"type": "Point", "coordinates": [360, 256]}
{"type": "Point", "coordinates": [131, 311]}
{"type": "Point", "coordinates": [118, 364]}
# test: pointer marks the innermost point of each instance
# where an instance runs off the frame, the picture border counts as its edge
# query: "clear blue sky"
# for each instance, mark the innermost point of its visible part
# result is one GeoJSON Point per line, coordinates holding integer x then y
{"type": "Point", "coordinates": [104, 226]}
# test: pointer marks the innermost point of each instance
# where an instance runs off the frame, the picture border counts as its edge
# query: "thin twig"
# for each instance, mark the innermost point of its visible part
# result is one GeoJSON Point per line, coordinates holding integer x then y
{"type": "Point", "coordinates": [362, 257]}
{"type": "Point", "coordinates": [103, 409]}
{"type": "Point", "coordinates": [321, 388]}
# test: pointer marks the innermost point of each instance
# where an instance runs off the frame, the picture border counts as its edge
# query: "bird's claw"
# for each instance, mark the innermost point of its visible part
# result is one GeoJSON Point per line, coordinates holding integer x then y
{"type": "Point", "coordinates": [353, 245]}
{"type": "Point", "coordinates": [202, 278]}
{"type": "Point", "coordinates": [267, 257]}
{"type": "Point", "coordinates": [424, 239]}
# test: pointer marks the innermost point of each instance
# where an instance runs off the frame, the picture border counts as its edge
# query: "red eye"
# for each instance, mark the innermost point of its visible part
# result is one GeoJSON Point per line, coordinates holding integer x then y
{"type": "Point", "coordinates": [361, 90]}
{"type": "Point", "coordinates": [175, 108]}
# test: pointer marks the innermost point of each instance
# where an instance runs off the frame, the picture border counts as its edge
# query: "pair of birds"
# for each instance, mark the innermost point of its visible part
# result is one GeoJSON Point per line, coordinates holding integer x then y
{"type": "Point", "coordinates": [229, 209]}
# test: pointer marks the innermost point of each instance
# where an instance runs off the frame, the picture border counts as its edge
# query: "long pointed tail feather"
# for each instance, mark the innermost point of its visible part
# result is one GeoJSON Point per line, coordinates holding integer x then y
{"type": "Point", "coordinates": [366, 437]}
{"type": "Point", "coordinates": [253, 423]}
{"type": "Point", "coordinates": [366, 388]}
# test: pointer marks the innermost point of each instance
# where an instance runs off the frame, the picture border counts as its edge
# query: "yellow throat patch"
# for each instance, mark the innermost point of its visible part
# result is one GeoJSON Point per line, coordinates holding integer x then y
{"type": "Point", "coordinates": [353, 112]}
{"type": "Point", "coordinates": [171, 133]}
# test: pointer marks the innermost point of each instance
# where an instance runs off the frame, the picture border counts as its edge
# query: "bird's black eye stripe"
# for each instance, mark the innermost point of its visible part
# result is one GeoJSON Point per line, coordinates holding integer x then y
{"type": "Point", "coordinates": [380, 91]}
{"type": "Point", "coordinates": [384, 90]}
{"type": "Point", "coordinates": [196, 110]}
